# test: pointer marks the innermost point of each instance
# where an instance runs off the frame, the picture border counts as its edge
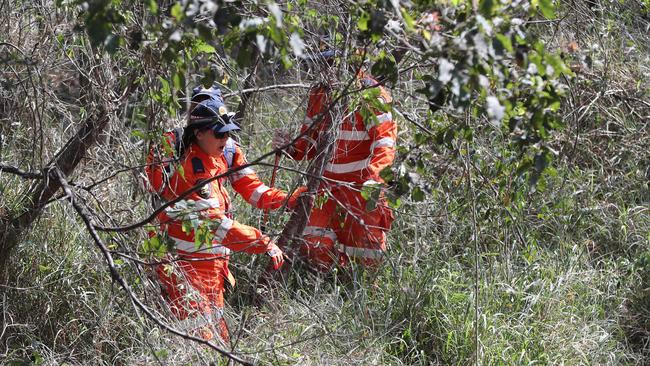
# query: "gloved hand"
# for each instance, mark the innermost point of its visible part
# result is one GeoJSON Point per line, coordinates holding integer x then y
{"type": "Point", "coordinates": [280, 138]}
{"type": "Point", "coordinates": [293, 199]}
{"type": "Point", "coordinates": [276, 254]}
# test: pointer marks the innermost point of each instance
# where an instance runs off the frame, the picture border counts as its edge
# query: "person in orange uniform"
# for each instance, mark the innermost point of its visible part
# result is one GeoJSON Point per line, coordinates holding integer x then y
{"type": "Point", "coordinates": [343, 228]}
{"type": "Point", "coordinates": [194, 285]}
{"type": "Point", "coordinates": [244, 181]}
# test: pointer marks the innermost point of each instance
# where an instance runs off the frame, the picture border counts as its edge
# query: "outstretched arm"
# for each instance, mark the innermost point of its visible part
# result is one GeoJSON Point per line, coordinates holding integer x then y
{"type": "Point", "coordinates": [252, 189]}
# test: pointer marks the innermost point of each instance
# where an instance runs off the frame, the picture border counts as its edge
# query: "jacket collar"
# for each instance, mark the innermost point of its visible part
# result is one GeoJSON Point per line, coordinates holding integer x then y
{"type": "Point", "coordinates": [208, 161]}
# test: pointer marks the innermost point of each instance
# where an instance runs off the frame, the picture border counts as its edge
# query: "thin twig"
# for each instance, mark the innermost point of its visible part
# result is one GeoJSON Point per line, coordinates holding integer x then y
{"type": "Point", "coordinates": [267, 88]}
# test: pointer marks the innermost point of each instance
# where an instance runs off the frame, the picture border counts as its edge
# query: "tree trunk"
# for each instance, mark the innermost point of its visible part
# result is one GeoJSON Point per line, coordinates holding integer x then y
{"type": "Point", "coordinates": [325, 146]}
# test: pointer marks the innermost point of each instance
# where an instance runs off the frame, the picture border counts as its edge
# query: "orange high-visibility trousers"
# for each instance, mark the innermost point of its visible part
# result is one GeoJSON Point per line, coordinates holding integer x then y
{"type": "Point", "coordinates": [343, 230]}
{"type": "Point", "coordinates": [194, 289]}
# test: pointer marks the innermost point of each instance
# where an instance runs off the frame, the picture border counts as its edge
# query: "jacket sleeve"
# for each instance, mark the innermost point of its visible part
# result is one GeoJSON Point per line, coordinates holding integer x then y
{"type": "Point", "coordinates": [227, 232]}
{"type": "Point", "coordinates": [239, 237]}
{"type": "Point", "coordinates": [159, 156]}
{"type": "Point", "coordinates": [382, 150]}
{"type": "Point", "coordinates": [305, 147]}
{"type": "Point", "coordinates": [246, 182]}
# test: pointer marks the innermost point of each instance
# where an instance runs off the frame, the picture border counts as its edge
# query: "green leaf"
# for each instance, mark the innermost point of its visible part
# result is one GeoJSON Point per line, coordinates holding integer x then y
{"type": "Point", "coordinates": [180, 170]}
{"type": "Point", "coordinates": [394, 203]}
{"type": "Point", "coordinates": [366, 192]}
{"type": "Point", "coordinates": [153, 6]}
{"type": "Point", "coordinates": [362, 23]}
{"type": "Point", "coordinates": [276, 34]}
{"type": "Point", "coordinates": [155, 241]}
{"type": "Point", "coordinates": [165, 90]}
{"type": "Point", "coordinates": [547, 8]}
{"type": "Point", "coordinates": [209, 75]}
{"type": "Point", "coordinates": [558, 65]}
{"type": "Point", "coordinates": [205, 48]}
{"type": "Point", "coordinates": [408, 19]}
{"type": "Point", "coordinates": [177, 11]}
{"type": "Point", "coordinates": [371, 193]}
{"type": "Point", "coordinates": [486, 7]}
{"type": "Point", "coordinates": [178, 79]}
{"type": "Point", "coordinates": [417, 194]}
{"type": "Point", "coordinates": [187, 227]}
{"type": "Point", "coordinates": [385, 68]}
{"type": "Point", "coordinates": [244, 56]}
{"type": "Point", "coordinates": [387, 174]}
{"type": "Point", "coordinates": [138, 134]}
{"type": "Point", "coordinates": [505, 42]}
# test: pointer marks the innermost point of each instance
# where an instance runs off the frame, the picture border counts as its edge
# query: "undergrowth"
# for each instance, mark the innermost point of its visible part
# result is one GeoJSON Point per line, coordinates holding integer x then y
{"type": "Point", "coordinates": [563, 276]}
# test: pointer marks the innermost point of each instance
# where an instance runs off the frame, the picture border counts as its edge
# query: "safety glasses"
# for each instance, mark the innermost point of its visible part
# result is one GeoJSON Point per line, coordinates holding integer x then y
{"type": "Point", "coordinates": [221, 135]}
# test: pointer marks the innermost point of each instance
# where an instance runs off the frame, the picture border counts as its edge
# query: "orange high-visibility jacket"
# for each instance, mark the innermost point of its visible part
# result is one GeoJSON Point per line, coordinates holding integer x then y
{"type": "Point", "coordinates": [212, 202]}
{"type": "Point", "coordinates": [245, 181]}
{"type": "Point", "coordinates": [363, 148]}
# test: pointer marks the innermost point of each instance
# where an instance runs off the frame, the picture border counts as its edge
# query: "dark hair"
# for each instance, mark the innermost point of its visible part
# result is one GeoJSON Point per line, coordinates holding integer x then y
{"type": "Point", "coordinates": [189, 137]}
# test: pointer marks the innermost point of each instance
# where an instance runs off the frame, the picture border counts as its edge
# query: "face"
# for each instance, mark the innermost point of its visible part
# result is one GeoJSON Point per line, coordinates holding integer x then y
{"type": "Point", "coordinates": [210, 144]}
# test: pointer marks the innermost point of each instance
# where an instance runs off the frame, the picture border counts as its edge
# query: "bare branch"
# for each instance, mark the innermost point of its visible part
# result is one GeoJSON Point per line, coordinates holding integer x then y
{"type": "Point", "coordinates": [19, 172]}
{"type": "Point", "coordinates": [267, 88]}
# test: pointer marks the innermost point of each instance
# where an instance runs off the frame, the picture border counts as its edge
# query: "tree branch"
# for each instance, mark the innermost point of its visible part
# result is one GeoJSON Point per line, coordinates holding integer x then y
{"type": "Point", "coordinates": [267, 88]}
{"type": "Point", "coordinates": [19, 172]}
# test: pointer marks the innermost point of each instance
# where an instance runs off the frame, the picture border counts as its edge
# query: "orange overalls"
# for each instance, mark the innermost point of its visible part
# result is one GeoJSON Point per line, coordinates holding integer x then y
{"type": "Point", "coordinates": [343, 228]}
{"type": "Point", "coordinates": [194, 285]}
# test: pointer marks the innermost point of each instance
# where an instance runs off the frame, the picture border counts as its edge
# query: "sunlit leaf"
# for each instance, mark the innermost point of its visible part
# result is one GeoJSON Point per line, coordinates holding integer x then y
{"type": "Point", "coordinates": [547, 8]}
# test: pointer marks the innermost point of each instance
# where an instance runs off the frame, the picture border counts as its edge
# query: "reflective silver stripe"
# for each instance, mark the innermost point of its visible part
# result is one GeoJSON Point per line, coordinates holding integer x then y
{"type": "Point", "coordinates": [385, 117]}
{"type": "Point", "coordinates": [241, 174]}
{"type": "Point", "coordinates": [384, 142]}
{"type": "Point", "coordinates": [259, 191]}
{"type": "Point", "coordinates": [173, 213]}
{"type": "Point", "coordinates": [347, 167]}
{"type": "Point", "coordinates": [309, 140]}
{"type": "Point", "coordinates": [182, 208]}
{"type": "Point", "coordinates": [319, 232]}
{"type": "Point", "coordinates": [353, 135]}
{"type": "Point", "coordinates": [189, 208]}
{"type": "Point", "coordinates": [360, 252]}
{"type": "Point", "coordinates": [221, 232]}
{"type": "Point", "coordinates": [206, 204]}
{"type": "Point", "coordinates": [190, 246]}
